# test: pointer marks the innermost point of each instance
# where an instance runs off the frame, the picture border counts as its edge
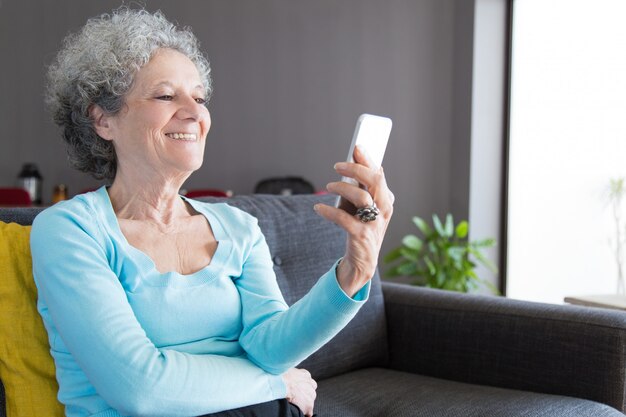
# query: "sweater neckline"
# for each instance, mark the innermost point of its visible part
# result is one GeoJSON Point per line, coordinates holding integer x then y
{"type": "Point", "coordinates": [208, 272]}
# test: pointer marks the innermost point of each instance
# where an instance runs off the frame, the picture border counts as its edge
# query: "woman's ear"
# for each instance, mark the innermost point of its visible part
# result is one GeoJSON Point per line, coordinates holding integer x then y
{"type": "Point", "coordinates": [101, 122]}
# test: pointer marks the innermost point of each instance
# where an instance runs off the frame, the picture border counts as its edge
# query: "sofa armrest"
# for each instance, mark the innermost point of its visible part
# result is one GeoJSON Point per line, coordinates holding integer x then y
{"type": "Point", "coordinates": [553, 349]}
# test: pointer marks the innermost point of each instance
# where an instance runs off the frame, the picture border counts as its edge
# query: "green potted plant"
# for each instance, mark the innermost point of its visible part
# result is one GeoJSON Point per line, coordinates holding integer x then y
{"type": "Point", "coordinates": [442, 258]}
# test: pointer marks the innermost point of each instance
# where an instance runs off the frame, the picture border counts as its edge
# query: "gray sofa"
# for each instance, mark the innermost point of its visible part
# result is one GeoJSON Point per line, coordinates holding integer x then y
{"type": "Point", "coordinates": [419, 352]}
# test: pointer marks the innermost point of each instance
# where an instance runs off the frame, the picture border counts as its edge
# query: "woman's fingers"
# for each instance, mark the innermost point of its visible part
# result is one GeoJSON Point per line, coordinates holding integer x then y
{"type": "Point", "coordinates": [338, 216]}
{"type": "Point", "coordinates": [362, 174]}
{"type": "Point", "coordinates": [361, 156]}
{"type": "Point", "coordinates": [301, 389]}
{"type": "Point", "coordinates": [363, 169]}
{"type": "Point", "coordinates": [382, 195]}
{"type": "Point", "coordinates": [374, 181]}
{"type": "Point", "coordinates": [356, 195]}
{"type": "Point", "coordinates": [391, 196]}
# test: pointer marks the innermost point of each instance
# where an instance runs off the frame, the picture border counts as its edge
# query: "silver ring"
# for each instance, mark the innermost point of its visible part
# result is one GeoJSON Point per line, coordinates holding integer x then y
{"type": "Point", "coordinates": [368, 213]}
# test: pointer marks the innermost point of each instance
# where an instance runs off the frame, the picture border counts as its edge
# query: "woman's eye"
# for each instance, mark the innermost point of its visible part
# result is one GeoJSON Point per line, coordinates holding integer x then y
{"type": "Point", "coordinates": [201, 100]}
{"type": "Point", "coordinates": [165, 97]}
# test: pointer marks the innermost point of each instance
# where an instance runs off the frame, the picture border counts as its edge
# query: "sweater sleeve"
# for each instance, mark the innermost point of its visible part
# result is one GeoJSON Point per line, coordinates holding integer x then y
{"type": "Point", "coordinates": [89, 311]}
{"type": "Point", "coordinates": [277, 337]}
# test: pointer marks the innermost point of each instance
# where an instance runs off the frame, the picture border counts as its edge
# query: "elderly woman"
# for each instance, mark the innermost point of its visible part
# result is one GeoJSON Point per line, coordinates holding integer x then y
{"type": "Point", "coordinates": [158, 305]}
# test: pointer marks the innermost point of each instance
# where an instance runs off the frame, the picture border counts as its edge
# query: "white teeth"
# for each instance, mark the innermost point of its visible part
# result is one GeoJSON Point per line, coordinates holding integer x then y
{"type": "Point", "coordinates": [182, 136]}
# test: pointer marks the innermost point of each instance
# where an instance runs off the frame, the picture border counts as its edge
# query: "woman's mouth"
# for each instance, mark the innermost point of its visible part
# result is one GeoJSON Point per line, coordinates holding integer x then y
{"type": "Point", "coordinates": [191, 137]}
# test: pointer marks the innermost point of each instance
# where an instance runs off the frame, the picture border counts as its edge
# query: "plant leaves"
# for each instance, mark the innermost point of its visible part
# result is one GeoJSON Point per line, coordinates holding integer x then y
{"type": "Point", "coordinates": [438, 225]}
{"type": "Point", "coordinates": [410, 254]}
{"type": "Point", "coordinates": [422, 225]}
{"type": "Point", "coordinates": [449, 229]}
{"type": "Point", "coordinates": [462, 229]}
{"type": "Point", "coordinates": [431, 266]}
{"type": "Point", "coordinates": [394, 272]}
{"type": "Point", "coordinates": [491, 287]}
{"type": "Point", "coordinates": [413, 242]}
{"type": "Point", "coordinates": [617, 190]}
{"type": "Point", "coordinates": [456, 253]}
{"type": "Point", "coordinates": [483, 260]}
{"type": "Point", "coordinates": [432, 247]}
{"type": "Point", "coordinates": [407, 268]}
{"type": "Point", "coordinates": [441, 280]}
{"type": "Point", "coordinates": [393, 255]}
{"type": "Point", "coordinates": [484, 243]}
{"type": "Point", "coordinates": [443, 257]}
{"type": "Point", "coordinates": [419, 281]}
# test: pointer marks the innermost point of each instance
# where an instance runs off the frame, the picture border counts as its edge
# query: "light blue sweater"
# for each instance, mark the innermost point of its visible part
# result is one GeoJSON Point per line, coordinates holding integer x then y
{"type": "Point", "coordinates": [128, 340]}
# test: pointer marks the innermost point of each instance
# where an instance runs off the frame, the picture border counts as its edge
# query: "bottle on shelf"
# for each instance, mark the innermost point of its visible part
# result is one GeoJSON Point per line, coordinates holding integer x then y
{"type": "Point", "coordinates": [59, 193]}
{"type": "Point", "coordinates": [30, 179]}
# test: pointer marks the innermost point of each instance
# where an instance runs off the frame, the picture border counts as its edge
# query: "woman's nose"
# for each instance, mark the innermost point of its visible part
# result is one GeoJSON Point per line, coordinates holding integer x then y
{"type": "Point", "coordinates": [190, 109]}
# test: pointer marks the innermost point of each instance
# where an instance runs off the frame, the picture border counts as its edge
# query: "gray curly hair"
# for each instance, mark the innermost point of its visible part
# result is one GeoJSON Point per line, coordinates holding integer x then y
{"type": "Point", "coordinates": [97, 65]}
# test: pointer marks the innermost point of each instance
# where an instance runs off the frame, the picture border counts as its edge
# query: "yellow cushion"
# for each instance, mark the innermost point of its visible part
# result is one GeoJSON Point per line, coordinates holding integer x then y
{"type": "Point", "coordinates": [26, 367]}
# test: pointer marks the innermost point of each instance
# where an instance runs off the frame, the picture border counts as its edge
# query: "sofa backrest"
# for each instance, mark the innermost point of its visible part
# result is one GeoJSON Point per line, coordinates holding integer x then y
{"type": "Point", "coordinates": [303, 247]}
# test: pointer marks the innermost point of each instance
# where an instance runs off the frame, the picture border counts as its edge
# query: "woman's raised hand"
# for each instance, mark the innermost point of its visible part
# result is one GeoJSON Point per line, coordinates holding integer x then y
{"type": "Point", "coordinates": [364, 238]}
{"type": "Point", "coordinates": [301, 389]}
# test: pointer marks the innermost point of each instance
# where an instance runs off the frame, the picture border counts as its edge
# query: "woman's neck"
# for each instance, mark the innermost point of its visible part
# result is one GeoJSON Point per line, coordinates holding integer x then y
{"type": "Point", "coordinates": [154, 201]}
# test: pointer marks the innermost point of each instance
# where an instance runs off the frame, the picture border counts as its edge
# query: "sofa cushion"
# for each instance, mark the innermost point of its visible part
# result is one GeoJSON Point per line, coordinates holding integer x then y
{"type": "Point", "coordinates": [26, 367]}
{"type": "Point", "coordinates": [304, 246]}
{"type": "Point", "coordinates": [378, 392]}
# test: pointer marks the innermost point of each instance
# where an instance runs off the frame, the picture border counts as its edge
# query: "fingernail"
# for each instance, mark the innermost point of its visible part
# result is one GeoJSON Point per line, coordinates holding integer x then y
{"type": "Point", "coordinates": [340, 165]}
{"type": "Point", "coordinates": [316, 208]}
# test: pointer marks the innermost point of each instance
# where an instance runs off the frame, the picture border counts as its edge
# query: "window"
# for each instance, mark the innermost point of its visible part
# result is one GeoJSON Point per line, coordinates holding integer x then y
{"type": "Point", "coordinates": [567, 140]}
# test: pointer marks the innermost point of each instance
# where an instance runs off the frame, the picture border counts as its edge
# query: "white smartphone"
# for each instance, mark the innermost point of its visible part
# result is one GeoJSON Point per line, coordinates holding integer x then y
{"type": "Point", "coordinates": [371, 134]}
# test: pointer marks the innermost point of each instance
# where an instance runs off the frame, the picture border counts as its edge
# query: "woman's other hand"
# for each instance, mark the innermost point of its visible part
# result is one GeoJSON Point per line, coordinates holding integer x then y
{"type": "Point", "coordinates": [301, 389]}
{"type": "Point", "coordinates": [364, 239]}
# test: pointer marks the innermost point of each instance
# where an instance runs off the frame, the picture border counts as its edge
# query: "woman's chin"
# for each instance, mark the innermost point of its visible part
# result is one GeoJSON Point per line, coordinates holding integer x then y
{"type": "Point", "coordinates": [181, 168]}
{"type": "Point", "coordinates": [192, 166]}
{"type": "Point", "coordinates": [187, 162]}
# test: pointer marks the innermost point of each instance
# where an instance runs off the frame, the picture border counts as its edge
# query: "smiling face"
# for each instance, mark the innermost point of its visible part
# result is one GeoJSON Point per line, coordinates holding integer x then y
{"type": "Point", "coordinates": [162, 127]}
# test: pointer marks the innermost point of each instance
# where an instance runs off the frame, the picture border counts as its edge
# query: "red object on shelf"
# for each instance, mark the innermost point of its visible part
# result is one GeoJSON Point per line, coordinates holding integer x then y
{"type": "Point", "coordinates": [210, 192]}
{"type": "Point", "coordinates": [15, 197]}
